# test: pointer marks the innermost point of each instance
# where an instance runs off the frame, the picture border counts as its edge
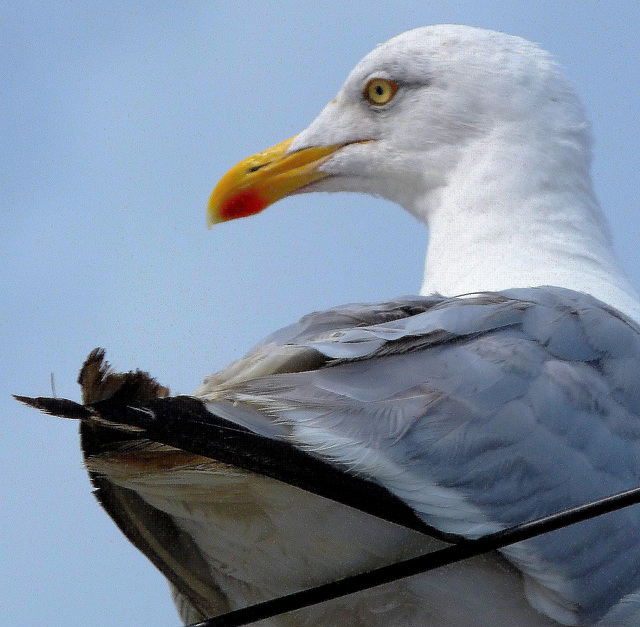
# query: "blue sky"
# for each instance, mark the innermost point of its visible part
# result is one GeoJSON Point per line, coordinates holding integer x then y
{"type": "Point", "coordinates": [116, 121]}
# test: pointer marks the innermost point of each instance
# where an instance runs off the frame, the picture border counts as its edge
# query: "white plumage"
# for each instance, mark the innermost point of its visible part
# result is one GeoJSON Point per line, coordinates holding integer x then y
{"type": "Point", "coordinates": [489, 146]}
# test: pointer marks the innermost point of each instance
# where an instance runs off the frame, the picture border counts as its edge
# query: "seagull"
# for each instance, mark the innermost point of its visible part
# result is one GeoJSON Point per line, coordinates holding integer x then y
{"type": "Point", "coordinates": [506, 391]}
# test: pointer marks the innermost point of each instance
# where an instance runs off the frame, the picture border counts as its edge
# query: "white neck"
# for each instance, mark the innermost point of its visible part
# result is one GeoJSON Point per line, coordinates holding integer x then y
{"type": "Point", "coordinates": [519, 213]}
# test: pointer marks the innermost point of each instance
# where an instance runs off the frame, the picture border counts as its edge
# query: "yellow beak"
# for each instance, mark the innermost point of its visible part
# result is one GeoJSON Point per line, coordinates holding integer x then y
{"type": "Point", "coordinates": [264, 178]}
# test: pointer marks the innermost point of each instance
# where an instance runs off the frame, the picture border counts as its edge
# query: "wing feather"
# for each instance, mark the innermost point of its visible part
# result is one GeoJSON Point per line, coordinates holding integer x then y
{"type": "Point", "coordinates": [482, 412]}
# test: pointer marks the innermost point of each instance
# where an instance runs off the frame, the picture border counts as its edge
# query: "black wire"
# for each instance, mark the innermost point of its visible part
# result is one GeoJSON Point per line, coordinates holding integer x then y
{"type": "Point", "coordinates": [423, 563]}
{"type": "Point", "coordinates": [187, 433]}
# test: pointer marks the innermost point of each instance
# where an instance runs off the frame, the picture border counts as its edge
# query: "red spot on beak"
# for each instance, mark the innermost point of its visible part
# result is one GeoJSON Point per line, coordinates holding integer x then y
{"type": "Point", "coordinates": [242, 205]}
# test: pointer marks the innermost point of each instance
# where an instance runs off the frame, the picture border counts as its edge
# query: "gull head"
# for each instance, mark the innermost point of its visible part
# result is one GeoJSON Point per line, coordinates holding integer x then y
{"type": "Point", "coordinates": [406, 118]}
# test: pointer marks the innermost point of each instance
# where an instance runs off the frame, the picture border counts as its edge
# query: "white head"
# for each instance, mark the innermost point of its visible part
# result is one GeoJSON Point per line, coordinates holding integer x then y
{"type": "Point", "coordinates": [455, 86]}
{"type": "Point", "coordinates": [476, 133]}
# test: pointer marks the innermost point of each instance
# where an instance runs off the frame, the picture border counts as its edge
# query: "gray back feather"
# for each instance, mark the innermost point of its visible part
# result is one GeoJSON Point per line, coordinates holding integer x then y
{"type": "Point", "coordinates": [479, 412]}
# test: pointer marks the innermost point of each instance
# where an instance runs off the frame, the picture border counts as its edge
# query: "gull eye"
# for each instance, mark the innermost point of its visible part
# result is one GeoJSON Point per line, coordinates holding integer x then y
{"type": "Point", "coordinates": [379, 91]}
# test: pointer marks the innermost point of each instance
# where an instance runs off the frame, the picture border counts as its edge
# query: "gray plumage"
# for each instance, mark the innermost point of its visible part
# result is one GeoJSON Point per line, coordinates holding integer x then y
{"type": "Point", "coordinates": [510, 405]}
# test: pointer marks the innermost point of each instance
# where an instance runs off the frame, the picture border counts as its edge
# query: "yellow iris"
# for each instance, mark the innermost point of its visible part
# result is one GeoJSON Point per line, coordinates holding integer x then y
{"type": "Point", "coordinates": [380, 91]}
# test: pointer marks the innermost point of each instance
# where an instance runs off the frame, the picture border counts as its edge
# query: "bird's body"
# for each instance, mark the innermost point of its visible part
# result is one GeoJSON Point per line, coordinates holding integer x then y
{"type": "Point", "coordinates": [506, 392]}
{"type": "Point", "coordinates": [478, 412]}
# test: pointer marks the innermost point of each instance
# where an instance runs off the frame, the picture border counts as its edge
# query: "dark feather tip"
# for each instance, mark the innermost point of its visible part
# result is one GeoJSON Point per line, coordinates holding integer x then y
{"type": "Point", "coordinates": [99, 382]}
{"type": "Point", "coordinates": [60, 407]}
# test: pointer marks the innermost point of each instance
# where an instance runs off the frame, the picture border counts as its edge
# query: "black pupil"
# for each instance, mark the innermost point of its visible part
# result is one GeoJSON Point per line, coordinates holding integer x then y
{"type": "Point", "coordinates": [379, 90]}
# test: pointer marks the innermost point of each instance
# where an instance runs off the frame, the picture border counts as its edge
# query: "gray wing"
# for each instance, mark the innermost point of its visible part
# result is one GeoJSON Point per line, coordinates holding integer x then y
{"type": "Point", "coordinates": [479, 412]}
